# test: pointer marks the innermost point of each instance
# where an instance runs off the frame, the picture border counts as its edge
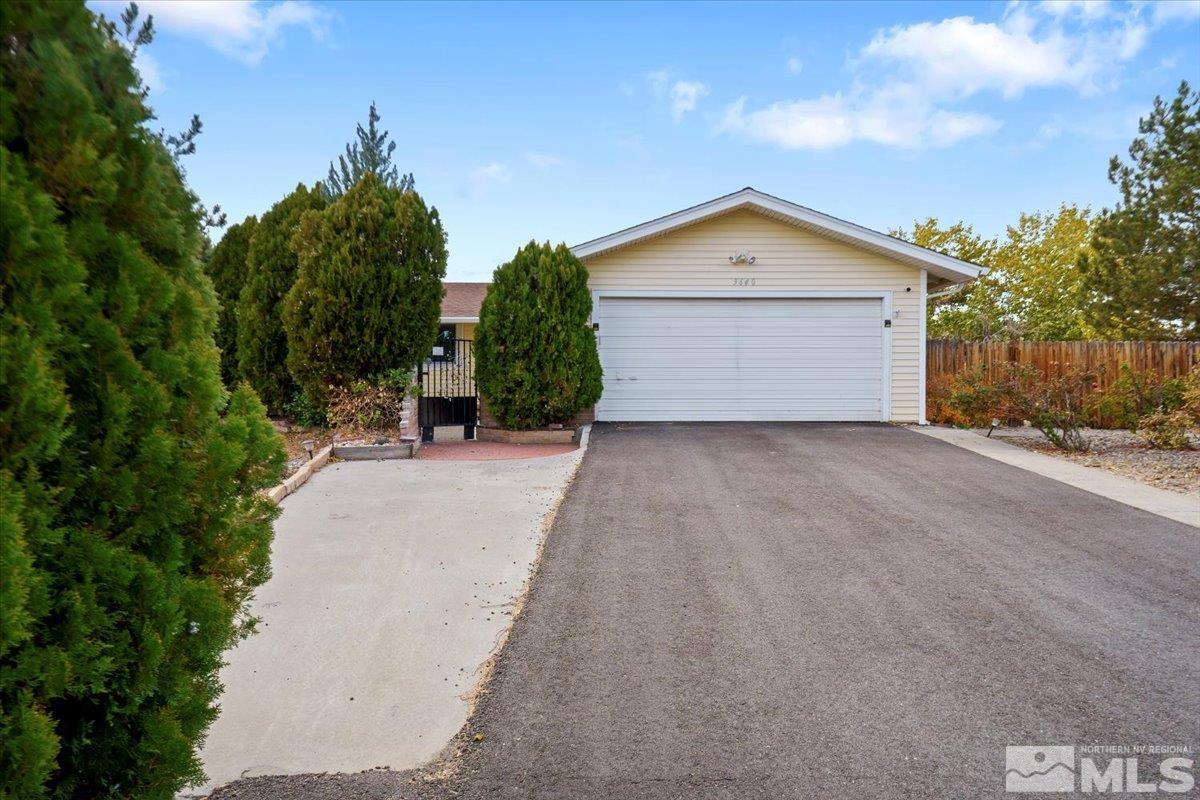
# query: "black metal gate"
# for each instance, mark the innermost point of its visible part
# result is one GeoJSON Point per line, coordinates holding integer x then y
{"type": "Point", "coordinates": [448, 395]}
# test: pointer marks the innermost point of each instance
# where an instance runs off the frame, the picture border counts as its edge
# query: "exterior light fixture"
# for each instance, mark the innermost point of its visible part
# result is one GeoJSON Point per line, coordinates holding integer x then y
{"type": "Point", "coordinates": [308, 447]}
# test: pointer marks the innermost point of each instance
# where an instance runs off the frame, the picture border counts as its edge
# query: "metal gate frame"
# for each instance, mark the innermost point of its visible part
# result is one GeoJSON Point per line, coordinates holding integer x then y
{"type": "Point", "coordinates": [448, 393]}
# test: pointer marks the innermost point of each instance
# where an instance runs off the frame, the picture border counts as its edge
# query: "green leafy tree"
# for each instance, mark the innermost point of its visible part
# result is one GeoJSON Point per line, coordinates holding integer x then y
{"type": "Point", "coordinates": [131, 529]}
{"type": "Point", "coordinates": [1033, 288]}
{"type": "Point", "coordinates": [371, 154]}
{"type": "Point", "coordinates": [369, 290]}
{"type": "Point", "coordinates": [227, 267]}
{"type": "Point", "coordinates": [1036, 269]}
{"type": "Point", "coordinates": [536, 360]}
{"type": "Point", "coordinates": [262, 346]}
{"type": "Point", "coordinates": [1142, 273]}
{"type": "Point", "coordinates": [973, 312]}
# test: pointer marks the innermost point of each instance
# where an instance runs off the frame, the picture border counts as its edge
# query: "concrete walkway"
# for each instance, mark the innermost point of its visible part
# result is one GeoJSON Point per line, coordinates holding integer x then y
{"type": "Point", "coordinates": [1172, 505]}
{"type": "Point", "coordinates": [392, 584]}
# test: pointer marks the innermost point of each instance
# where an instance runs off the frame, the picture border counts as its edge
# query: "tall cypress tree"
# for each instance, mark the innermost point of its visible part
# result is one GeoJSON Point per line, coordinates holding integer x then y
{"type": "Point", "coordinates": [227, 266]}
{"type": "Point", "coordinates": [370, 154]}
{"type": "Point", "coordinates": [535, 354]}
{"type": "Point", "coordinates": [369, 290]}
{"type": "Point", "coordinates": [271, 263]}
{"type": "Point", "coordinates": [131, 531]}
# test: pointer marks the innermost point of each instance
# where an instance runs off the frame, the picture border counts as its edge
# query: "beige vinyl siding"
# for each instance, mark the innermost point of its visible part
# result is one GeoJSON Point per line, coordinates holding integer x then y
{"type": "Point", "coordinates": [786, 258]}
{"type": "Point", "coordinates": [464, 330]}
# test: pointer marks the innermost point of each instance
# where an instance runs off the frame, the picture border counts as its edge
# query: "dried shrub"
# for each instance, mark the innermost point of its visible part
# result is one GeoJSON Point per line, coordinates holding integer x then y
{"type": "Point", "coordinates": [1054, 403]}
{"type": "Point", "coordinates": [1165, 430]}
{"type": "Point", "coordinates": [976, 397]}
{"type": "Point", "coordinates": [1191, 394]}
{"type": "Point", "coordinates": [369, 404]}
{"type": "Point", "coordinates": [1133, 395]}
{"type": "Point", "coordinates": [938, 407]}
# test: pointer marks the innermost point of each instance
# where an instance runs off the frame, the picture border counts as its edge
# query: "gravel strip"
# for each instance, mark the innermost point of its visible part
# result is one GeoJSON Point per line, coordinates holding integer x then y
{"type": "Point", "coordinates": [1121, 452]}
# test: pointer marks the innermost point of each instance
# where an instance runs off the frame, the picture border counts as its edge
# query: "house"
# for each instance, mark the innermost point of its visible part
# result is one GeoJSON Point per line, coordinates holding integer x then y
{"type": "Point", "coordinates": [749, 307]}
{"type": "Point", "coordinates": [460, 310]}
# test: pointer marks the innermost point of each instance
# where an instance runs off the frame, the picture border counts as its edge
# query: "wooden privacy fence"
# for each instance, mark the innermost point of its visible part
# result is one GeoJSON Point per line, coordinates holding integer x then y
{"type": "Point", "coordinates": [946, 357]}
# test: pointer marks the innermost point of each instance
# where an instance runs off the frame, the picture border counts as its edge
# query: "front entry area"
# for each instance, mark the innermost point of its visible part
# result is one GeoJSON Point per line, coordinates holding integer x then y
{"type": "Point", "coordinates": [743, 358]}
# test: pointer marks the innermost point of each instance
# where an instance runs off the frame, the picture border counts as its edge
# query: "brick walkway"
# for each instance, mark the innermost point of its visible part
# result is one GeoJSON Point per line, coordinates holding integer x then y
{"type": "Point", "coordinates": [488, 451]}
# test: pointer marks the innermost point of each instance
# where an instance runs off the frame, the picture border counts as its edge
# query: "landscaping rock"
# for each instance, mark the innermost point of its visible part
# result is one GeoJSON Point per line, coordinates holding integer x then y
{"type": "Point", "coordinates": [1122, 452]}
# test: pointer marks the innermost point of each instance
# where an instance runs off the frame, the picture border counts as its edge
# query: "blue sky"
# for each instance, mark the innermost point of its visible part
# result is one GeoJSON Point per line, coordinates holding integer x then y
{"type": "Point", "coordinates": [569, 121]}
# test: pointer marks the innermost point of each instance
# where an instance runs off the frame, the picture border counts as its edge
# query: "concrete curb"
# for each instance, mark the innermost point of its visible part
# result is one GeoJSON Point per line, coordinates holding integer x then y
{"type": "Point", "coordinates": [1172, 505]}
{"type": "Point", "coordinates": [300, 476]}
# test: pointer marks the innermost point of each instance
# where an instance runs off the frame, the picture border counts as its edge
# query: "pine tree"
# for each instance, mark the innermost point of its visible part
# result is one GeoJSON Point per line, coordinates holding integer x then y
{"type": "Point", "coordinates": [371, 154]}
{"type": "Point", "coordinates": [1143, 274]}
{"type": "Point", "coordinates": [131, 529]}
{"type": "Point", "coordinates": [262, 343]}
{"type": "Point", "coordinates": [369, 290]}
{"type": "Point", "coordinates": [536, 360]}
{"type": "Point", "coordinates": [227, 267]}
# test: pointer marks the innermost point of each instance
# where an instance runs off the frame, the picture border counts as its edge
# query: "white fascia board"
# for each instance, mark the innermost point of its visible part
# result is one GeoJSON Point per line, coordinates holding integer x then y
{"type": "Point", "coordinates": [449, 320]}
{"type": "Point", "coordinates": [944, 266]}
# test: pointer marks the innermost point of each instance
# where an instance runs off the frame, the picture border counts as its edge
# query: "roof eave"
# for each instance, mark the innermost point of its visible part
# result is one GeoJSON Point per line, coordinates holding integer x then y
{"type": "Point", "coordinates": [946, 267]}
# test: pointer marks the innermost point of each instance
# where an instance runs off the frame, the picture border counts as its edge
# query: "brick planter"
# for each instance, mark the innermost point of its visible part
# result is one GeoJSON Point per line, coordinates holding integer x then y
{"type": "Point", "coordinates": [541, 436]}
{"type": "Point", "coordinates": [372, 452]}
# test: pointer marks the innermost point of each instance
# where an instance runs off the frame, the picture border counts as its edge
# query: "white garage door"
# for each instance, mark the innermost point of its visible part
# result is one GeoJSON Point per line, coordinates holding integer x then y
{"type": "Point", "coordinates": [741, 358]}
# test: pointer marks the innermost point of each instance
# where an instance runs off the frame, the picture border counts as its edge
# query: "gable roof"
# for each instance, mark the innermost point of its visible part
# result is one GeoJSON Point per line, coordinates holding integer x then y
{"type": "Point", "coordinates": [949, 269]}
{"type": "Point", "coordinates": [462, 301]}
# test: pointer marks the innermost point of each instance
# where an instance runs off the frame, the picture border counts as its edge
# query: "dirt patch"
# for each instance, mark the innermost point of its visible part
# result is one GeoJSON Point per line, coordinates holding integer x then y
{"type": "Point", "coordinates": [1124, 453]}
{"type": "Point", "coordinates": [294, 437]}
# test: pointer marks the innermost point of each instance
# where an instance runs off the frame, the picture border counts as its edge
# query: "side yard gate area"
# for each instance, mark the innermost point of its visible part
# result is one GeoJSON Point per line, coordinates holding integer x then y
{"type": "Point", "coordinates": [448, 396]}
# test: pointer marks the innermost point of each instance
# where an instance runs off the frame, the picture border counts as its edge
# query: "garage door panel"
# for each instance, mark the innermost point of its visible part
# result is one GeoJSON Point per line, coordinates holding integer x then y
{"type": "Point", "coordinates": [699, 308]}
{"type": "Point", "coordinates": [741, 359]}
{"type": "Point", "coordinates": [660, 354]}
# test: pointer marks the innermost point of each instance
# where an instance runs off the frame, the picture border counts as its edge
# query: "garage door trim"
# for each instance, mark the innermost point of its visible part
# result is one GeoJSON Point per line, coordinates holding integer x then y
{"type": "Point", "coordinates": [885, 298]}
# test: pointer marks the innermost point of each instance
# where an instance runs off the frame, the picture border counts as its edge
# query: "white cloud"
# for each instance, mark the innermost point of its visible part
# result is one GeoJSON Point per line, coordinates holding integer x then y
{"type": "Point", "coordinates": [484, 178]}
{"type": "Point", "coordinates": [960, 56]}
{"type": "Point", "coordinates": [150, 70]}
{"type": "Point", "coordinates": [944, 128]}
{"type": "Point", "coordinates": [632, 143]}
{"type": "Point", "coordinates": [1088, 9]}
{"type": "Point", "coordinates": [1117, 125]}
{"type": "Point", "coordinates": [243, 30]}
{"type": "Point", "coordinates": [684, 96]}
{"type": "Point", "coordinates": [543, 160]}
{"type": "Point", "coordinates": [834, 120]}
{"type": "Point", "coordinates": [680, 96]}
{"type": "Point", "coordinates": [908, 79]}
{"type": "Point", "coordinates": [1168, 11]}
{"type": "Point", "coordinates": [794, 124]}
{"type": "Point", "coordinates": [795, 65]}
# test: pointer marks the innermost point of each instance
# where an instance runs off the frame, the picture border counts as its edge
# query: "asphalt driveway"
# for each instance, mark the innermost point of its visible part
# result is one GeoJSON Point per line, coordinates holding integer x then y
{"type": "Point", "coordinates": [781, 610]}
